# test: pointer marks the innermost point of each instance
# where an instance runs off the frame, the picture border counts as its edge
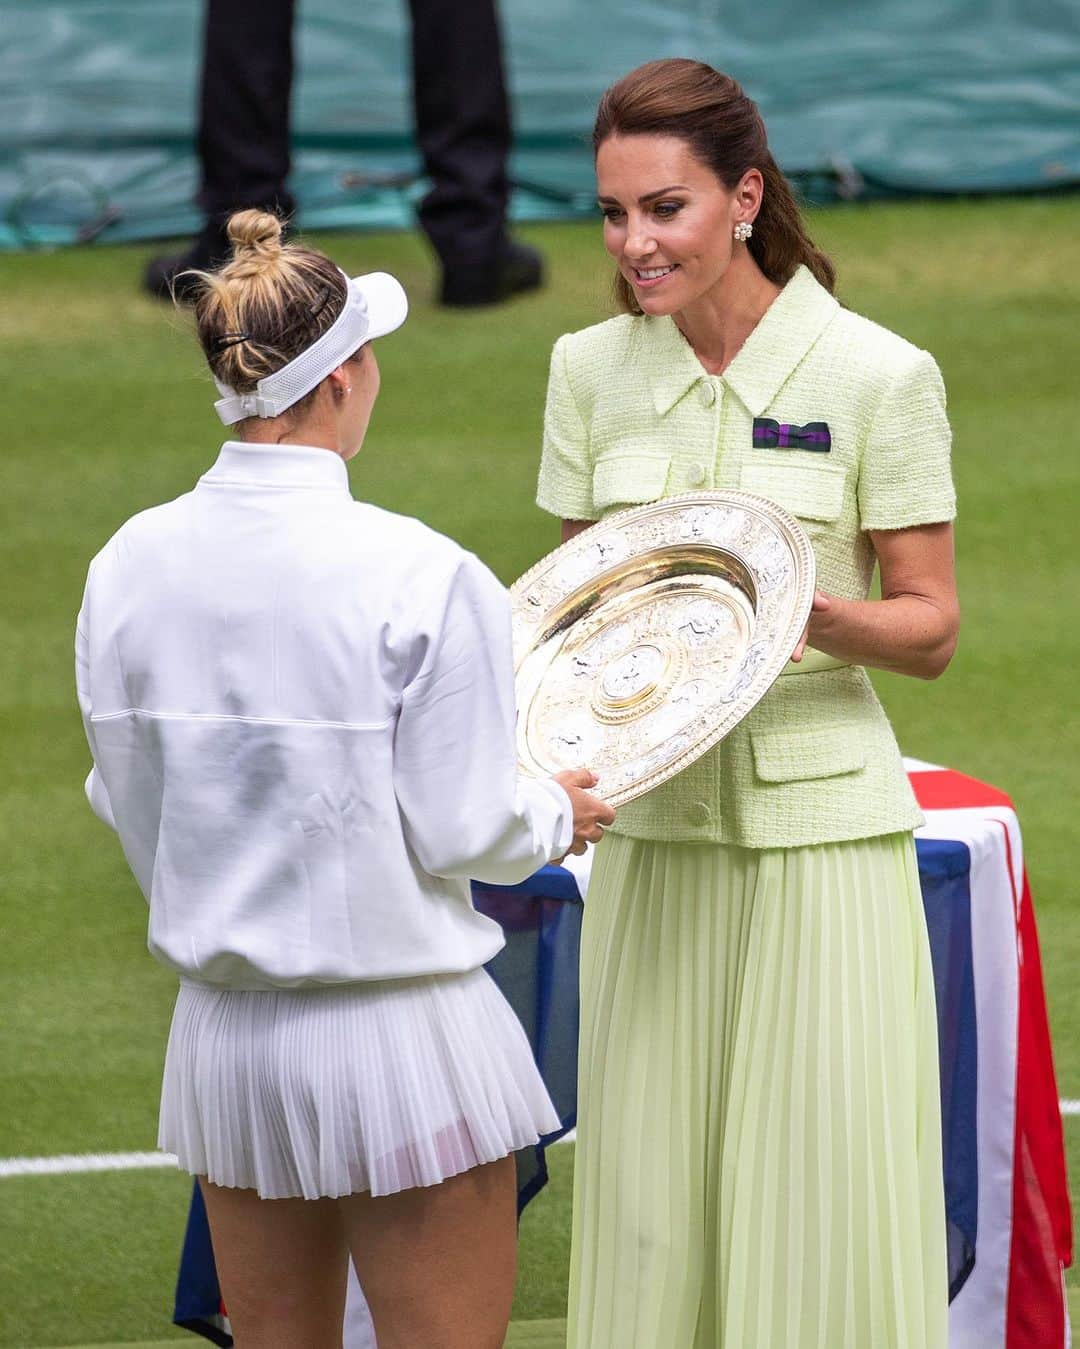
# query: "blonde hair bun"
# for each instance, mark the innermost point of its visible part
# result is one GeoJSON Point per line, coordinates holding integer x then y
{"type": "Point", "coordinates": [254, 232]}
{"type": "Point", "coordinates": [269, 302]}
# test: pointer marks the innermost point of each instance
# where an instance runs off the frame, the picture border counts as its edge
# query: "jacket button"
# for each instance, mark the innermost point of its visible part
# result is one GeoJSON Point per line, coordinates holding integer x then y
{"type": "Point", "coordinates": [699, 813]}
{"type": "Point", "coordinates": [708, 393]}
{"type": "Point", "coordinates": [696, 475]}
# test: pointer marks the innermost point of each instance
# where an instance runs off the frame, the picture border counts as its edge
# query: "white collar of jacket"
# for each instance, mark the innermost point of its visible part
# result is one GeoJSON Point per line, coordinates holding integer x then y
{"type": "Point", "coordinates": [787, 330]}
{"type": "Point", "coordinates": [243, 464]}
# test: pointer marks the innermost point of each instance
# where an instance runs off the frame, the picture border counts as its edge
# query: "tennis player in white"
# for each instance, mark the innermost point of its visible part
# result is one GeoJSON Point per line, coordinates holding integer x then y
{"type": "Point", "coordinates": [301, 713]}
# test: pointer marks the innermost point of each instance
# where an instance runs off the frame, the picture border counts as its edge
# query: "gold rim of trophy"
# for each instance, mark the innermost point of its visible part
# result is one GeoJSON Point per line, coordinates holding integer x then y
{"type": "Point", "coordinates": [645, 639]}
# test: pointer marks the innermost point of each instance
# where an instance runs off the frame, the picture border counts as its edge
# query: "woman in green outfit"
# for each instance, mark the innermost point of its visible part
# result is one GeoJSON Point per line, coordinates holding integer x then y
{"type": "Point", "coordinates": [759, 1151]}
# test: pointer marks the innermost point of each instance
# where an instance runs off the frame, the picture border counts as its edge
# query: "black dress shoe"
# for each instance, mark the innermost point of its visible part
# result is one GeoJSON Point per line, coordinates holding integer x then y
{"type": "Point", "coordinates": [165, 276]}
{"type": "Point", "coordinates": [517, 268]}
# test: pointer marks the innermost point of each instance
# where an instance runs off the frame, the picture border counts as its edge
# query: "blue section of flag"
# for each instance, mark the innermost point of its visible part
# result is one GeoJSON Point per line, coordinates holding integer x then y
{"type": "Point", "coordinates": [551, 882]}
{"type": "Point", "coordinates": [198, 1295]}
{"type": "Point", "coordinates": [945, 877]}
{"type": "Point", "coordinates": [537, 971]}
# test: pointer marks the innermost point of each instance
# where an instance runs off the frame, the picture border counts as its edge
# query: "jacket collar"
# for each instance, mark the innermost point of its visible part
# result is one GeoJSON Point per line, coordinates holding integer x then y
{"type": "Point", "coordinates": [243, 464]}
{"type": "Point", "coordinates": [786, 332]}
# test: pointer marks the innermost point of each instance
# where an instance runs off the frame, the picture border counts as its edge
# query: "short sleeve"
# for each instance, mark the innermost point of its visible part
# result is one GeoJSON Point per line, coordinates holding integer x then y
{"type": "Point", "coordinates": [905, 478]}
{"type": "Point", "coordinates": [565, 487]}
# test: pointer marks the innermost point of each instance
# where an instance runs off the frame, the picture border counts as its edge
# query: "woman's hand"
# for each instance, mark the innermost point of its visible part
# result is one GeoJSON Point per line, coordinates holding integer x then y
{"type": "Point", "coordinates": [820, 605]}
{"type": "Point", "coordinates": [912, 629]}
{"type": "Point", "coordinates": [590, 813]}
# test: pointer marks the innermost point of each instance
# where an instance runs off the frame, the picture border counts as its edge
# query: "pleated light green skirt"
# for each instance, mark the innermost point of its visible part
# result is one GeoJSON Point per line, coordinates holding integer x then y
{"type": "Point", "coordinates": [759, 1137]}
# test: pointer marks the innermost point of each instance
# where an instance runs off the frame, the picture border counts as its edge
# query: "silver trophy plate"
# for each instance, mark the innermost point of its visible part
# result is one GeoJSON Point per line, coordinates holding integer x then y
{"type": "Point", "coordinates": [641, 642]}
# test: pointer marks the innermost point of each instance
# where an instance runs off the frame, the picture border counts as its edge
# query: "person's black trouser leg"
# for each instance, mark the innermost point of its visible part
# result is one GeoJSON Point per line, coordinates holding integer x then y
{"type": "Point", "coordinates": [462, 127]}
{"type": "Point", "coordinates": [243, 138]}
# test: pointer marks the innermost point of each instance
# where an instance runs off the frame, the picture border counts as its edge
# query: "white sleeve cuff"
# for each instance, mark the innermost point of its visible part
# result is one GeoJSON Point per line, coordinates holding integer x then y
{"type": "Point", "coordinates": [565, 833]}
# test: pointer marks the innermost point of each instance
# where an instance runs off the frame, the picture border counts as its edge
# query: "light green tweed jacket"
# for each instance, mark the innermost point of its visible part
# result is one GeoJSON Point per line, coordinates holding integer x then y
{"type": "Point", "coordinates": [632, 416]}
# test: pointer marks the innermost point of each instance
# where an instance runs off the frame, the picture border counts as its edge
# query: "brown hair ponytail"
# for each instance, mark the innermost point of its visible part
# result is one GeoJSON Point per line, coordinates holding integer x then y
{"type": "Point", "coordinates": [724, 130]}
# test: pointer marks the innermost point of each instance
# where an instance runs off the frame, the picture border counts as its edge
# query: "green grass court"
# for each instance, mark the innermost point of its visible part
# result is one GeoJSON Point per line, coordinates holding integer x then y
{"type": "Point", "coordinates": [109, 410]}
{"type": "Point", "coordinates": [523, 1335]}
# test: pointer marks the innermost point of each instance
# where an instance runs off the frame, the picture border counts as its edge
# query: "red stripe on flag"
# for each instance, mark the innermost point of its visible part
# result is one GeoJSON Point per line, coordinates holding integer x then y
{"type": "Point", "coordinates": [1042, 1216]}
{"type": "Point", "coordinates": [949, 790]}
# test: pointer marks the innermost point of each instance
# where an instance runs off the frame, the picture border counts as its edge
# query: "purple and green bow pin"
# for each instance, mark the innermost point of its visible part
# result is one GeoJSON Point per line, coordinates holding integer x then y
{"type": "Point", "coordinates": [773, 435]}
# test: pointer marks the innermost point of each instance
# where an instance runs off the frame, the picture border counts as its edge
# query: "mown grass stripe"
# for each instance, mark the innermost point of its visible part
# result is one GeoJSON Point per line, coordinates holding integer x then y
{"type": "Point", "coordinates": [523, 1335]}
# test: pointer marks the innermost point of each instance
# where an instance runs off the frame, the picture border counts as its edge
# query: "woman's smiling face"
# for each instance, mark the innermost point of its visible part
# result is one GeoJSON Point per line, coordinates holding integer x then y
{"type": "Point", "coordinates": [668, 219]}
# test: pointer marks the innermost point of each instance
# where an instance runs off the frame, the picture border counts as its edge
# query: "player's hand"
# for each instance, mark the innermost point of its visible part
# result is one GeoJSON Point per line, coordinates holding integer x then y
{"type": "Point", "coordinates": [590, 813]}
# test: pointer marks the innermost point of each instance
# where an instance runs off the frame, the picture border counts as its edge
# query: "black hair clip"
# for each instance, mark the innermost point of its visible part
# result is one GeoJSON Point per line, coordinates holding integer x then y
{"type": "Point", "coordinates": [327, 294]}
{"type": "Point", "coordinates": [230, 340]}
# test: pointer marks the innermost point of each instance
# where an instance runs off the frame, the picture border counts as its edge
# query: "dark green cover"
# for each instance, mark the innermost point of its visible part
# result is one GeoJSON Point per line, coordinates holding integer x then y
{"type": "Point", "coordinates": [920, 96]}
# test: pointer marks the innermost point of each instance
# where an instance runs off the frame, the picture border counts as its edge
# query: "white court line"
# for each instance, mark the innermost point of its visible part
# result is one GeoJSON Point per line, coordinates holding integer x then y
{"type": "Point", "coordinates": [88, 1161]}
{"type": "Point", "coordinates": [72, 1164]}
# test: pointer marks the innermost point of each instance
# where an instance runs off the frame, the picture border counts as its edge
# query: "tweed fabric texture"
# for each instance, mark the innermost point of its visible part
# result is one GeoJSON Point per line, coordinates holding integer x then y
{"type": "Point", "coordinates": [632, 416]}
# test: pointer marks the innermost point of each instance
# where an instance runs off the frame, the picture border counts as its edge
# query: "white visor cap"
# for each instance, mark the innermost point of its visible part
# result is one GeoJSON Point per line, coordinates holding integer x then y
{"type": "Point", "coordinates": [375, 305]}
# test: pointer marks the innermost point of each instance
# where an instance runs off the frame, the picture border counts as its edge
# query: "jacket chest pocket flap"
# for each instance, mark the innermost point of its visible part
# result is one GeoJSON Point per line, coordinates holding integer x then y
{"type": "Point", "coordinates": [806, 752]}
{"type": "Point", "coordinates": [810, 491]}
{"type": "Point", "coordinates": [629, 478]}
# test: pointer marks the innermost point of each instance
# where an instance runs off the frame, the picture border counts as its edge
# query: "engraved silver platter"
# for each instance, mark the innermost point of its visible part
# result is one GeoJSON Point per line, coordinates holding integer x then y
{"type": "Point", "coordinates": [641, 642]}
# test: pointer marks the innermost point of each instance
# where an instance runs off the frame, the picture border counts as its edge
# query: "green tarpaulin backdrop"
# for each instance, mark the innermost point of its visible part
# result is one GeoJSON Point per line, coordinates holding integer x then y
{"type": "Point", "coordinates": [861, 97]}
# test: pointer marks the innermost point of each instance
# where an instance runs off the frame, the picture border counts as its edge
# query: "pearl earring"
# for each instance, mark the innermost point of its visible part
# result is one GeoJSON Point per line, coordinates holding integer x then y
{"type": "Point", "coordinates": [743, 231]}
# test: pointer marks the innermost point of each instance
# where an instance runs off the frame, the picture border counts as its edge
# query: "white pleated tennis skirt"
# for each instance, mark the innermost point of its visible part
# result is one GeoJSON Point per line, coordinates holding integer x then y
{"type": "Point", "coordinates": [376, 1087]}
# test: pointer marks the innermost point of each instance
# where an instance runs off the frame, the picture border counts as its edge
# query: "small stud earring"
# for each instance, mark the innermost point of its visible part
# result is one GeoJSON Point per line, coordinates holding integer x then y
{"type": "Point", "coordinates": [743, 231]}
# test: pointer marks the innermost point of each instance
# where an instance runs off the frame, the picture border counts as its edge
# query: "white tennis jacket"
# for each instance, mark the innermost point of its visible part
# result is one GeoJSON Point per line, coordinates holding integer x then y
{"type": "Point", "coordinates": [301, 715]}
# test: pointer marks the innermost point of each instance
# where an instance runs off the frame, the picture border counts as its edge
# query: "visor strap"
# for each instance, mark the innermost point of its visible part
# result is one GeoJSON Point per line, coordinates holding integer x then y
{"type": "Point", "coordinates": [277, 392]}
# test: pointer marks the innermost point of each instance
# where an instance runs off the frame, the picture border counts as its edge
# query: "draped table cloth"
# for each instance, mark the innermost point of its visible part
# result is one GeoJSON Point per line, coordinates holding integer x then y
{"type": "Point", "coordinates": [1006, 1193]}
